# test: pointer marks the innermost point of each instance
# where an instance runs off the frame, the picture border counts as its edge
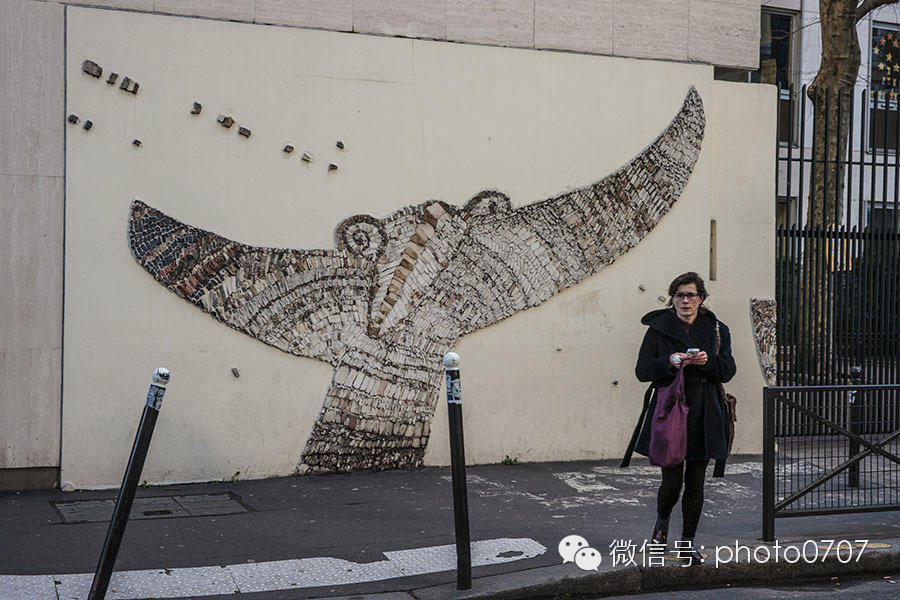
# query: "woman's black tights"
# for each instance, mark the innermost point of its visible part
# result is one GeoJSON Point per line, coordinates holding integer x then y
{"type": "Point", "coordinates": [692, 473]}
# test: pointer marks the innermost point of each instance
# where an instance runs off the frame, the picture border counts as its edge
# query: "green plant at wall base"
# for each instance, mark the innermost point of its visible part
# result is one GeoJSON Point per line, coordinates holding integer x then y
{"type": "Point", "coordinates": [509, 461]}
{"type": "Point", "coordinates": [236, 477]}
{"type": "Point", "coordinates": [144, 484]}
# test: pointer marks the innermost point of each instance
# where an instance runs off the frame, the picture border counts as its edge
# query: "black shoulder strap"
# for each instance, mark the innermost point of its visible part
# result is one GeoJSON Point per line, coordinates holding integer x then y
{"type": "Point", "coordinates": [626, 460]}
{"type": "Point", "coordinates": [719, 468]}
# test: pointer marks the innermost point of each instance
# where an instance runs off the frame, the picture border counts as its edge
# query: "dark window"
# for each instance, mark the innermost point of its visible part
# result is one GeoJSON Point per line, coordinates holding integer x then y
{"type": "Point", "coordinates": [883, 218]}
{"type": "Point", "coordinates": [774, 50]}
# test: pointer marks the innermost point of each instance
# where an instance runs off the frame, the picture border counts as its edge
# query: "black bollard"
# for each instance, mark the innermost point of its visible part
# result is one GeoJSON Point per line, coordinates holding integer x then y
{"type": "Point", "coordinates": [129, 485]}
{"type": "Point", "coordinates": [458, 471]}
{"type": "Point", "coordinates": [855, 411]}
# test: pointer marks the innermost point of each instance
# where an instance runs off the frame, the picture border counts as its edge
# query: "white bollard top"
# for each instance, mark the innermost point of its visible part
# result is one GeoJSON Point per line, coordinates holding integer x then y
{"type": "Point", "coordinates": [161, 376]}
{"type": "Point", "coordinates": [451, 360]}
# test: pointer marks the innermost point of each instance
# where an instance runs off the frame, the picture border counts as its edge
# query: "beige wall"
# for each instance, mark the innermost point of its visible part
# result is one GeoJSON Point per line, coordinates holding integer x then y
{"type": "Point", "coordinates": [420, 120]}
{"type": "Point", "coordinates": [541, 385]}
{"type": "Point", "coordinates": [31, 232]}
{"type": "Point", "coordinates": [723, 32]}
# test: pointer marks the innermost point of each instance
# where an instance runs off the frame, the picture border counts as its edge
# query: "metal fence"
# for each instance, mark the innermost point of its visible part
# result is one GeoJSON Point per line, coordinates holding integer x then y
{"type": "Point", "coordinates": [846, 467]}
{"type": "Point", "coordinates": [838, 276]}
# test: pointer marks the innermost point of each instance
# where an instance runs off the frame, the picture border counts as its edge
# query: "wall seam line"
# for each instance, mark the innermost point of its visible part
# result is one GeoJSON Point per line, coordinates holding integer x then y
{"type": "Point", "coordinates": [62, 321]}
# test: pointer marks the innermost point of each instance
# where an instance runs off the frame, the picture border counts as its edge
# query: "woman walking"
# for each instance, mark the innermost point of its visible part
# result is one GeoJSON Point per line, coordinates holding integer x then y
{"type": "Point", "coordinates": [686, 334]}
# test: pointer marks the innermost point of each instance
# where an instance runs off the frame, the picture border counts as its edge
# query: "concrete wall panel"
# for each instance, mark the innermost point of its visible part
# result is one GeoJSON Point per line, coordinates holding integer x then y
{"type": "Point", "coordinates": [31, 88]}
{"type": "Point", "coordinates": [741, 203]}
{"type": "Point", "coordinates": [31, 231]}
{"type": "Point", "coordinates": [746, 248]}
{"type": "Point", "coordinates": [31, 220]}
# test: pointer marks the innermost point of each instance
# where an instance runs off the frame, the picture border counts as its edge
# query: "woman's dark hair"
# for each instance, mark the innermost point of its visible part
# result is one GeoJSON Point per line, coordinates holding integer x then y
{"type": "Point", "coordinates": [687, 278]}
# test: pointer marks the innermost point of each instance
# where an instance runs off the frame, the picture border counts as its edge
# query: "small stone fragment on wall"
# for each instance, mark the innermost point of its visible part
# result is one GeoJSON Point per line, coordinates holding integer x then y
{"type": "Point", "coordinates": [762, 316]}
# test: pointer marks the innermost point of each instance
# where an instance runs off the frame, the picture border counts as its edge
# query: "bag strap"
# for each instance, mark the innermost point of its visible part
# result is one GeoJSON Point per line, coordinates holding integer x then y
{"type": "Point", "coordinates": [626, 460]}
{"type": "Point", "coordinates": [719, 468]}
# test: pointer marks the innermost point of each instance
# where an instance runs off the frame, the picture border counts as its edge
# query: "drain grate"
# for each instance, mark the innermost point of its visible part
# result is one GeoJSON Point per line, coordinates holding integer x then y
{"type": "Point", "coordinates": [157, 507]}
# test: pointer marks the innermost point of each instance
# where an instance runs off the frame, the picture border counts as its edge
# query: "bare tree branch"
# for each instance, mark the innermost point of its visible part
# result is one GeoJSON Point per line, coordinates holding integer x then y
{"type": "Point", "coordinates": [867, 6]}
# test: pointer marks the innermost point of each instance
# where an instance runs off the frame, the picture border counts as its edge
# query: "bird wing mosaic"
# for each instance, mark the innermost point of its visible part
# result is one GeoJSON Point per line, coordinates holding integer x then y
{"type": "Point", "coordinates": [398, 292]}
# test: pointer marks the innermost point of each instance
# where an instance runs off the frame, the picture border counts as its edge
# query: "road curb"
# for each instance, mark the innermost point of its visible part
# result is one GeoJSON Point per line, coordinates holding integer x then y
{"type": "Point", "coordinates": [555, 581]}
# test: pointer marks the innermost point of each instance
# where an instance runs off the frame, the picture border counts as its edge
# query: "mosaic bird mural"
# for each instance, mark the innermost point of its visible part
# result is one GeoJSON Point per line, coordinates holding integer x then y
{"type": "Point", "coordinates": [397, 292]}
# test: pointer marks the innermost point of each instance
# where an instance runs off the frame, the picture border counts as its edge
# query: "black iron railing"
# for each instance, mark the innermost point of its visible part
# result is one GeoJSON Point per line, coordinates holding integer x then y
{"type": "Point", "coordinates": [829, 450]}
{"type": "Point", "coordinates": [838, 274]}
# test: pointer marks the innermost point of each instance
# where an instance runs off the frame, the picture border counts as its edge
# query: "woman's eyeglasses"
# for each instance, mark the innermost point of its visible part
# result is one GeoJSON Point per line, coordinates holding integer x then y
{"type": "Point", "coordinates": [689, 296]}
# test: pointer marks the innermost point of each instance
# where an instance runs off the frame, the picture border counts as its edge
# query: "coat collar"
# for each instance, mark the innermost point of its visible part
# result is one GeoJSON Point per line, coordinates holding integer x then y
{"type": "Point", "coordinates": [667, 322]}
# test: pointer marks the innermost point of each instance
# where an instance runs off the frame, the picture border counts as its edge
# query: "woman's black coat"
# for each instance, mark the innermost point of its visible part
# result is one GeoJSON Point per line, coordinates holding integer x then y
{"type": "Point", "coordinates": [707, 436]}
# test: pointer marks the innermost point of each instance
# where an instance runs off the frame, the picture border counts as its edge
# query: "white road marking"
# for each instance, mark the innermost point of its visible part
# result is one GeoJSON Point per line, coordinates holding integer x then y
{"type": "Point", "coordinates": [264, 576]}
{"type": "Point", "coordinates": [636, 485]}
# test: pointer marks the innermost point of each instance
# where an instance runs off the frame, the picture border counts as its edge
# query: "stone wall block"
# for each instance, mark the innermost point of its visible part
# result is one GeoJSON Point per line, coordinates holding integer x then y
{"type": "Point", "coordinates": [31, 88]}
{"type": "Point", "coordinates": [492, 22]}
{"type": "Point", "coordinates": [29, 407]}
{"type": "Point", "coordinates": [405, 18]}
{"type": "Point", "coordinates": [335, 15]}
{"type": "Point", "coordinates": [724, 34]}
{"type": "Point", "coordinates": [31, 217]}
{"type": "Point", "coordinates": [651, 28]}
{"type": "Point", "coordinates": [146, 5]}
{"type": "Point", "coordinates": [232, 10]}
{"type": "Point", "coordinates": [31, 226]}
{"type": "Point", "coordinates": [576, 25]}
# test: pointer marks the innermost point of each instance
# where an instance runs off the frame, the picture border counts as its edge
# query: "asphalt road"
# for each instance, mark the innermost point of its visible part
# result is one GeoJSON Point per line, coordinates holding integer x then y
{"type": "Point", "coordinates": [845, 589]}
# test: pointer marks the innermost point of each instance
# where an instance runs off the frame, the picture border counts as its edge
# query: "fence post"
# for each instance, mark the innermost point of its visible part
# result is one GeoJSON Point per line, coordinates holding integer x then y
{"type": "Point", "coordinates": [855, 415]}
{"type": "Point", "coordinates": [458, 472]}
{"type": "Point", "coordinates": [129, 485]}
{"type": "Point", "coordinates": [768, 513]}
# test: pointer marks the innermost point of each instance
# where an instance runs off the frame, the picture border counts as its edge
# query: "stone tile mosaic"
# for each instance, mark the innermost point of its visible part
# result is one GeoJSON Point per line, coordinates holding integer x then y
{"type": "Point", "coordinates": [418, 561]}
{"type": "Point", "coordinates": [196, 582]}
{"type": "Point", "coordinates": [156, 583]}
{"type": "Point", "coordinates": [397, 292]}
{"type": "Point", "coordinates": [762, 317]}
{"type": "Point", "coordinates": [308, 572]}
{"type": "Point", "coordinates": [27, 586]}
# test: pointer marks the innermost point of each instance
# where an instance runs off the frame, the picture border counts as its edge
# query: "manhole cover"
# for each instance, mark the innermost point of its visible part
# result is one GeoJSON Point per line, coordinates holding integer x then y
{"type": "Point", "coordinates": [158, 507]}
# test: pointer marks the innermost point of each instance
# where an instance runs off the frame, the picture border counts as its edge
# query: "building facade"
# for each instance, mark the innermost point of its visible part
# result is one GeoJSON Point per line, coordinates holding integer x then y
{"type": "Point", "coordinates": [430, 100]}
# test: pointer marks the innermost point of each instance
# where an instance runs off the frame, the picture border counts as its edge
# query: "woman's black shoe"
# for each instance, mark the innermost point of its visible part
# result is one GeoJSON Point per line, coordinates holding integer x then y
{"type": "Point", "coordinates": [660, 531]}
{"type": "Point", "coordinates": [688, 551]}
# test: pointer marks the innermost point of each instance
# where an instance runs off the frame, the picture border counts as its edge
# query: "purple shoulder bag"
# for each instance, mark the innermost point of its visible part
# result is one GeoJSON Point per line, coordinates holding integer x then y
{"type": "Point", "coordinates": [668, 430]}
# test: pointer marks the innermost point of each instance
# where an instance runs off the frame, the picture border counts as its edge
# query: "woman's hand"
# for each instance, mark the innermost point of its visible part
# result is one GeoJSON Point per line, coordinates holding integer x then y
{"type": "Point", "coordinates": [677, 358]}
{"type": "Point", "coordinates": [699, 359]}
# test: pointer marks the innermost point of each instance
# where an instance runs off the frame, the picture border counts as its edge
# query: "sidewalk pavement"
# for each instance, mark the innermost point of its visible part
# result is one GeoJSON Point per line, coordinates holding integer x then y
{"type": "Point", "coordinates": [389, 536]}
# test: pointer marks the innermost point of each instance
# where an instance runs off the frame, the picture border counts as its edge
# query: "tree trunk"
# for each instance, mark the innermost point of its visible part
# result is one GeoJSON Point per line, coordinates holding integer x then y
{"type": "Point", "coordinates": [830, 91]}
